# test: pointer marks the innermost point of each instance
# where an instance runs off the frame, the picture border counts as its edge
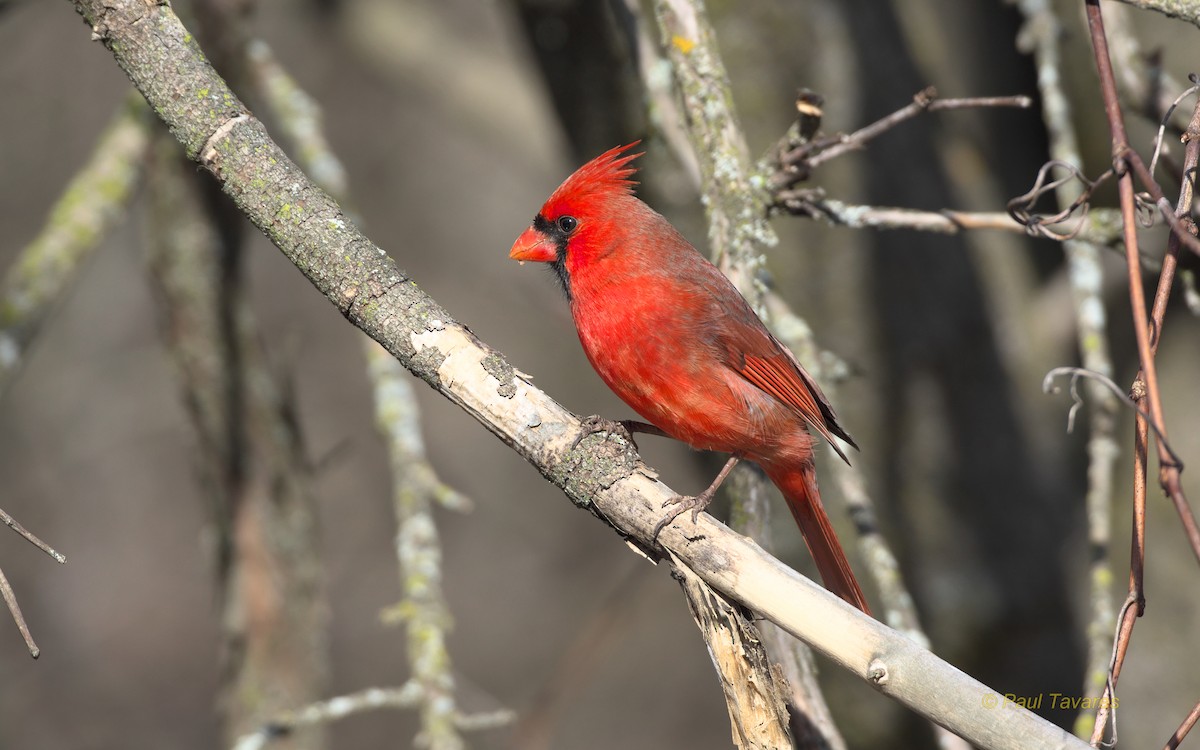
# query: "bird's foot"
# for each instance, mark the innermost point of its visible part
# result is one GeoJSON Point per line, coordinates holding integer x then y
{"type": "Point", "coordinates": [596, 424]}
{"type": "Point", "coordinates": [684, 503]}
{"type": "Point", "coordinates": [697, 503]}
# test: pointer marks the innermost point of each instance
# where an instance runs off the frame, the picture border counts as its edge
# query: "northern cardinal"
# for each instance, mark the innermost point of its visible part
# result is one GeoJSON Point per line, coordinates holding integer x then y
{"type": "Point", "coordinates": [670, 335]}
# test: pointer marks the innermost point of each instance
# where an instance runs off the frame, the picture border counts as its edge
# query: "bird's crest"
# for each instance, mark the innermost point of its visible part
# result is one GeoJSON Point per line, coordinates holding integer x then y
{"type": "Point", "coordinates": [607, 174]}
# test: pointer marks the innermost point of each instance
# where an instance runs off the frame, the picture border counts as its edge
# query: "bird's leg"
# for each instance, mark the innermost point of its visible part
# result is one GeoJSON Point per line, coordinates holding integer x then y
{"type": "Point", "coordinates": [625, 428]}
{"type": "Point", "coordinates": [695, 504]}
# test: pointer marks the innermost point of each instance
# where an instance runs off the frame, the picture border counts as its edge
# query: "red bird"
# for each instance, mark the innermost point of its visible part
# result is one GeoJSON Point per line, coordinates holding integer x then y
{"type": "Point", "coordinates": [670, 335]}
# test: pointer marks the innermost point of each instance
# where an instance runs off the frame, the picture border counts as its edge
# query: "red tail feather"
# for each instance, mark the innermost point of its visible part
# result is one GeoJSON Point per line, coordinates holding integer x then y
{"type": "Point", "coordinates": [799, 488]}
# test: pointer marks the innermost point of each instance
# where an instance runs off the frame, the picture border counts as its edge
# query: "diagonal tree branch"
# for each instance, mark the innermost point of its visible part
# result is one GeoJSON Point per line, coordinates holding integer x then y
{"type": "Point", "coordinates": [604, 476]}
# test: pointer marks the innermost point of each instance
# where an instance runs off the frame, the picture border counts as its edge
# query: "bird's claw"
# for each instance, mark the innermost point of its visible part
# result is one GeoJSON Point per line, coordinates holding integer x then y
{"type": "Point", "coordinates": [682, 503]}
{"type": "Point", "coordinates": [597, 424]}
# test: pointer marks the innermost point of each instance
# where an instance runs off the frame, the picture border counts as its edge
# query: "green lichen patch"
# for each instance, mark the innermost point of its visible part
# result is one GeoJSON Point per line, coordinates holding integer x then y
{"type": "Point", "coordinates": [501, 370]}
{"type": "Point", "coordinates": [426, 363]}
{"type": "Point", "coordinates": [596, 464]}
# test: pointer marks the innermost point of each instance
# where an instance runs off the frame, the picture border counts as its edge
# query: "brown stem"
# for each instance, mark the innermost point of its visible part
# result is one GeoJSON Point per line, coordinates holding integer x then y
{"type": "Point", "coordinates": [1148, 333]}
{"type": "Point", "coordinates": [1188, 722]}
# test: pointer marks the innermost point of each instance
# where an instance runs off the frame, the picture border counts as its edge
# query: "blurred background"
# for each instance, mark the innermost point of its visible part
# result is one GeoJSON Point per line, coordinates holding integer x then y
{"type": "Point", "coordinates": [454, 120]}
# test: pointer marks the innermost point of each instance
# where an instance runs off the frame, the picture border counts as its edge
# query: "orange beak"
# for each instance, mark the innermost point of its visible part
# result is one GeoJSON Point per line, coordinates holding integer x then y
{"type": "Point", "coordinates": [535, 246]}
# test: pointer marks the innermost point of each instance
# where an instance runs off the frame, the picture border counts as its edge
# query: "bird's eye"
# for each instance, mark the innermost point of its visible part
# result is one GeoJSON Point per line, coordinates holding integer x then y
{"type": "Point", "coordinates": [567, 224]}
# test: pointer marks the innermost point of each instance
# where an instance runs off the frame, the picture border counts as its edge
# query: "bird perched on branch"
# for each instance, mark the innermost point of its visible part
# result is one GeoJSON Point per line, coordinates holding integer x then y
{"type": "Point", "coordinates": [673, 338]}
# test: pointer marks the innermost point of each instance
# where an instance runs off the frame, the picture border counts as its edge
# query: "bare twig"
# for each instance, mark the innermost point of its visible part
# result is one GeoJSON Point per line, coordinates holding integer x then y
{"type": "Point", "coordinates": [1023, 208]}
{"type": "Point", "coordinates": [1113, 389]}
{"type": "Point", "coordinates": [10, 599]}
{"type": "Point", "coordinates": [1189, 721]}
{"type": "Point", "coordinates": [795, 164]}
{"type": "Point", "coordinates": [1162, 126]}
{"type": "Point", "coordinates": [1098, 226]}
{"type": "Point", "coordinates": [423, 609]}
{"type": "Point", "coordinates": [1127, 162]}
{"type": "Point", "coordinates": [1137, 300]}
{"type": "Point", "coordinates": [371, 699]}
{"type": "Point", "coordinates": [1169, 478]}
{"type": "Point", "coordinates": [13, 524]}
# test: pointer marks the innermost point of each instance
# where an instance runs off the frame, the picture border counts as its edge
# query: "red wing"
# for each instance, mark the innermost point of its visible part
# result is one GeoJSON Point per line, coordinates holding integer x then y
{"type": "Point", "coordinates": [782, 377]}
{"type": "Point", "coordinates": [738, 335]}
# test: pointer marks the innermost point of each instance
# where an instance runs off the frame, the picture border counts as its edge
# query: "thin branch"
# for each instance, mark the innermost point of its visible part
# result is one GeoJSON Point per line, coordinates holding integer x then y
{"type": "Point", "coordinates": [1160, 137]}
{"type": "Point", "coordinates": [1169, 477]}
{"type": "Point", "coordinates": [1099, 226]}
{"type": "Point", "coordinates": [1178, 228]}
{"type": "Point", "coordinates": [1189, 721]}
{"type": "Point", "coordinates": [1137, 300]}
{"type": "Point", "coordinates": [1073, 191]}
{"type": "Point", "coordinates": [371, 699]}
{"type": "Point", "coordinates": [423, 610]}
{"type": "Point", "coordinates": [89, 207]}
{"type": "Point", "coordinates": [796, 163]}
{"type": "Point", "coordinates": [153, 47]}
{"type": "Point", "coordinates": [13, 524]}
{"type": "Point", "coordinates": [10, 599]}
{"type": "Point", "coordinates": [1113, 389]}
{"type": "Point", "coordinates": [1126, 161]}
